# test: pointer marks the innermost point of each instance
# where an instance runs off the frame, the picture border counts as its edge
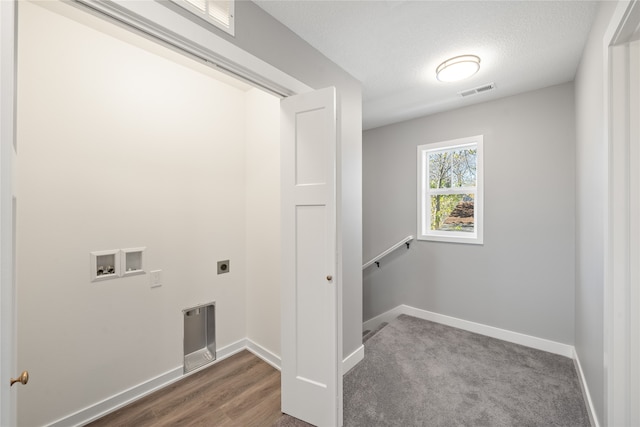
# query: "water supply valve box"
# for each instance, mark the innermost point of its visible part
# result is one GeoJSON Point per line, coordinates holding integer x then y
{"type": "Point", "coordinates": [104, 265]}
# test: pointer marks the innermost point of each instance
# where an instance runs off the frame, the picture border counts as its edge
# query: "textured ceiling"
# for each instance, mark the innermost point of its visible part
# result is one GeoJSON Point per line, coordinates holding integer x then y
{"type": "Point", "coordinates": [393, 47]}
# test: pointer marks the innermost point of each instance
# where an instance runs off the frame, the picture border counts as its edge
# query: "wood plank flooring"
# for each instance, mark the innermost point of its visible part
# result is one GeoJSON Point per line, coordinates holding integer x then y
{"type": "Point", "coordinates": [241, 390]}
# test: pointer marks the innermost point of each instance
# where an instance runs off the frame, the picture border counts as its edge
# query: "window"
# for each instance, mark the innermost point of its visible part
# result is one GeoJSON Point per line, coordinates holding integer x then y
{"type": "Point", "coordinates": [450, 191]}
{"type": "Point", "coordinates": [217, 12]}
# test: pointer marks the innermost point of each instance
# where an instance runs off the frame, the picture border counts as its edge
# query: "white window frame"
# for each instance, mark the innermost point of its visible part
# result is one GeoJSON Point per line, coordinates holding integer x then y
{"type": "Point", "coordinates": [424, 193]}
{"type": "Point", "coordinates": [210, 17]}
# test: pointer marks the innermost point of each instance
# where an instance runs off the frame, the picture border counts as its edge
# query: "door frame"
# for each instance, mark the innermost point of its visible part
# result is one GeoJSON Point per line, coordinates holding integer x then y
{"type": "Point", "coordinates": [622, 234]}
{"type": "Point", "coordinates": [7, 153]}
{"type": "Point", "coordinates": [160, 23]}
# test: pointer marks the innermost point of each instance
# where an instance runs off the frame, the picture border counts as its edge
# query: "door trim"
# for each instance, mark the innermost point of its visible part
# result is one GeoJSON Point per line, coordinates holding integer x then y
{"type": "Point", "coordinates": [159, 23]}
{"type": "Point", "coordinates": [7, 153]}
{"type": "Point", "coordinates": [162, 23]}
{"type": "Point", "coordinates": [622, 240]}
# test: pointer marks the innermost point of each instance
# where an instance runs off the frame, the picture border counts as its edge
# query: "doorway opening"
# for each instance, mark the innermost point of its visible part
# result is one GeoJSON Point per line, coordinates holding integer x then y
{"type": "Point", "coordinates": [126, 143]}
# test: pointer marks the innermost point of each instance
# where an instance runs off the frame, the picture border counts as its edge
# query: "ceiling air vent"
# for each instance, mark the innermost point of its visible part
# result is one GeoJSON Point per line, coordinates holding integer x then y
{"type": "Point", "coordinates": [477, 90]}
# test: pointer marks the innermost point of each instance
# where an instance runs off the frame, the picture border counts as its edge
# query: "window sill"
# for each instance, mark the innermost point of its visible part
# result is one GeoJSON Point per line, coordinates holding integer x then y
{"type": "Point", "coordinates": [471, 240]}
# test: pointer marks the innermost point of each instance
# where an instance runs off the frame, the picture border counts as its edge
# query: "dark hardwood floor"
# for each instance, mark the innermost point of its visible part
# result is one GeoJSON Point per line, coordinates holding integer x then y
{"type": "Point", "coordinates": [241, 390]}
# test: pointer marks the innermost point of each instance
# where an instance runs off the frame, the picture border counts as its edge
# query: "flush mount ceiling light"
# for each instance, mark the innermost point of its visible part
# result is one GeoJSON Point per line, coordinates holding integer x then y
{"type": "Point", "coordinates": [458, 68]}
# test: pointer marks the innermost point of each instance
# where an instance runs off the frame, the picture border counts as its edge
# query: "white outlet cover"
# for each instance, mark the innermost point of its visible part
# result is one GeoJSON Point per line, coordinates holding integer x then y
{"type": "Point", "coordinates": [155, 278]}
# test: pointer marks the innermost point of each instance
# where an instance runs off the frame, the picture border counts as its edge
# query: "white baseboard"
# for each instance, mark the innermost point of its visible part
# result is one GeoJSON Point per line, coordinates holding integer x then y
{"type": "Point", "coordinates": [121, 399]}
{"type": "Point", "coordinates": [226, 351]}
{"type": "Point", "coordinates": [352, 360]}
{"type": "Point", "coordinates": [585, 391]}
{"type": "Point", "coordinates": [490, 331]}
{"type": "Point", "coordinates": [117, 401]}
{"type": "Point", "coordinates": [274, 360]}
{"type": "Point", "coordinates": [264, 354]}
{"type": "Point", "coordinates": [387, 316]}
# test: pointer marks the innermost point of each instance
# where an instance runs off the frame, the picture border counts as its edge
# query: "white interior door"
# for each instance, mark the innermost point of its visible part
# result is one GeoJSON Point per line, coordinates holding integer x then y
{"type": "Point", "coordinates": [7, 208]}
{"type": "Point", "coordinates": [310, 369]}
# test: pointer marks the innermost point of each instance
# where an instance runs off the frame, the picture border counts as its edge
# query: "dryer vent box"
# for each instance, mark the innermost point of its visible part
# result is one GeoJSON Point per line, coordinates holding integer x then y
{"type": "Point", "coordinates": [224, 266]}
{"type": "Point", "coordinates": [199, 336]}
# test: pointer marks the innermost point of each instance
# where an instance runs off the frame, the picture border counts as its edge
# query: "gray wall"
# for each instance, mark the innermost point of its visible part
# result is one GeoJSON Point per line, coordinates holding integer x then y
{"type": "Point", "coordinates": [522, 278]}
{"type": "Point", "coordinates": [261, 35]}
{"type": "Point", "coordinates": [591, 202]}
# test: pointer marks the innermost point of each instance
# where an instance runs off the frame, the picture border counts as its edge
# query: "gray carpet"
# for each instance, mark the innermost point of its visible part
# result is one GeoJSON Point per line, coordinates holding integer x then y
{"type": "Point", "coordinates": [289, 421]}
{"type": "Point", "coordinates": [368, 334]}
{"type": "Point", "coordinates": [420, 373]}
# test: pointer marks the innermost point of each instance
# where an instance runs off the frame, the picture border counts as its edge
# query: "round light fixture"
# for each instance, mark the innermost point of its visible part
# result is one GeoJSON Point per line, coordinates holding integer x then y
{"type": "Point", "coordinates": [458, 68]}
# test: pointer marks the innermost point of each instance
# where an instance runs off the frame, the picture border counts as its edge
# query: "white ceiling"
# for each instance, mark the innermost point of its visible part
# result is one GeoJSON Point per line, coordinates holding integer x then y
{"type": "Point", "coordinates": [393, 47]}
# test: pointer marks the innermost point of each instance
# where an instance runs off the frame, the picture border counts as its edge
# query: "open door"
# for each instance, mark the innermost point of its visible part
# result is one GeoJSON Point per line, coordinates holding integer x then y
{"type": "Point", "coordinates": [311, 380]}
{"type": "Point", "coordinates": [7, 214]}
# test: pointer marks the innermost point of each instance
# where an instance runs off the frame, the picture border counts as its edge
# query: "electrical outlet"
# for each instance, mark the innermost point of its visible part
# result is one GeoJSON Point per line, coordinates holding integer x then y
{"type": "Point", "coordinates": [224, 266]}
{"type": "Point", "coordinates": [155, 278]}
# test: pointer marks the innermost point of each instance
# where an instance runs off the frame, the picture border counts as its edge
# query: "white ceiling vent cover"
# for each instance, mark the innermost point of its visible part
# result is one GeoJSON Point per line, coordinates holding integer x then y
{"type": "Point", "coordinates": [477, 90]}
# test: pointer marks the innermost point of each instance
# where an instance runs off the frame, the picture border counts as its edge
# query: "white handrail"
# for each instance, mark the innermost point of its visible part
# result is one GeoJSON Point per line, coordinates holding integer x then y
{"type": "Point", "coordinates": [376, 259]}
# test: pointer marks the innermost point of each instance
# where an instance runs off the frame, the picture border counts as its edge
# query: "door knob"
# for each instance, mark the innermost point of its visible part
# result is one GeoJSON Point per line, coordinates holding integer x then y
{"type": "Point", "coordinates": [329, 278]}
{"type": "Point", "coordinates": [22, 379]}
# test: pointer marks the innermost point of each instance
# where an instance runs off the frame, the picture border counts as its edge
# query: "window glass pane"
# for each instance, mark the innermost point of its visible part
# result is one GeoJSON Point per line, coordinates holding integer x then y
{"type": "Point", "coordinates": [440, 170]}
{"type": "Point", "coordinates": [452, 212]}
{"type": "Point", "coordinates": [464, 167]}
